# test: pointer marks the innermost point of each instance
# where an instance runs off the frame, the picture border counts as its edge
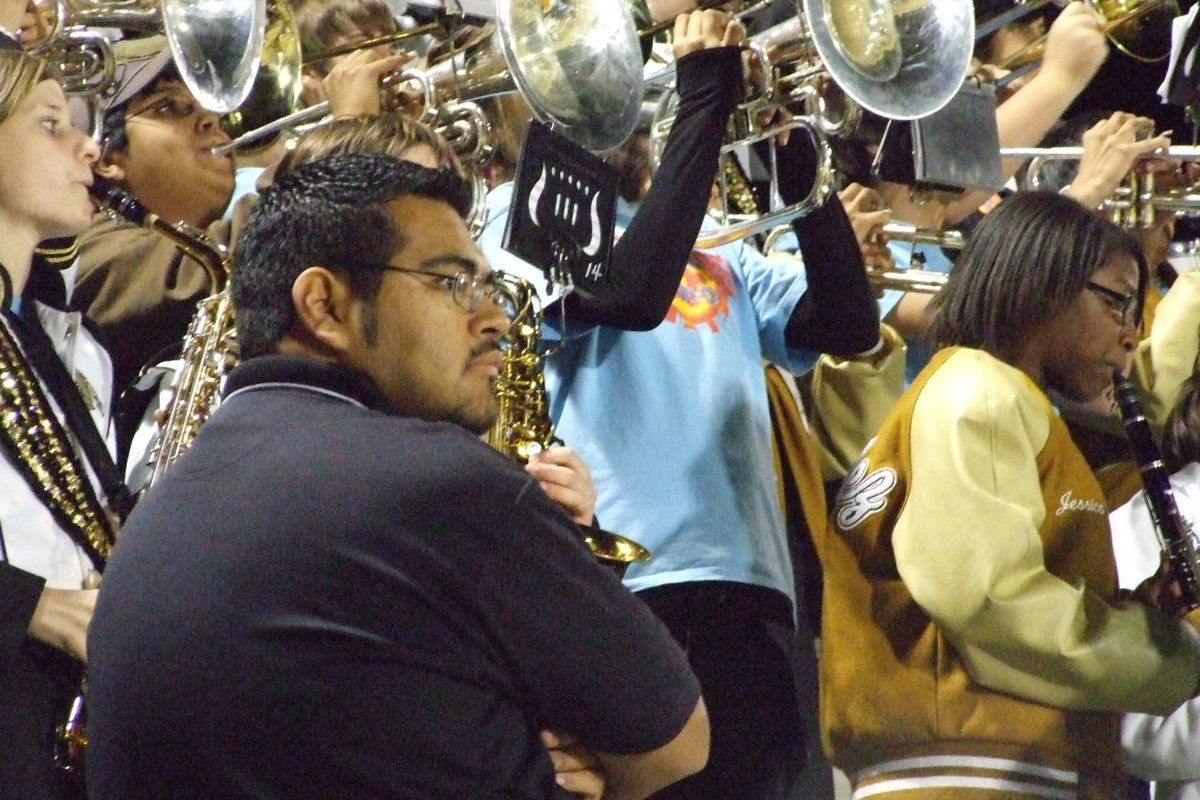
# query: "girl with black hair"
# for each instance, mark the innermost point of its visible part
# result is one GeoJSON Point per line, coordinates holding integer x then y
{"type": "Point", "coordinates": [973, 644]}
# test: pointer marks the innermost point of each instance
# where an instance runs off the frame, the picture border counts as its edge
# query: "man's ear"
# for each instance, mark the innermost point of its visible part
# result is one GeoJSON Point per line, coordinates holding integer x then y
{"type": "Point", "coordinates": [325, 309]}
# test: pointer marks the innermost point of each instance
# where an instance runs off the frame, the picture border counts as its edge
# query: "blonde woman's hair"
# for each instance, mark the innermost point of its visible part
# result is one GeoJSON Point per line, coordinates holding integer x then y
{"type": "Point", "coordinates": [19, 73]}
{"type": "Point", "coordinates": [385, 134]}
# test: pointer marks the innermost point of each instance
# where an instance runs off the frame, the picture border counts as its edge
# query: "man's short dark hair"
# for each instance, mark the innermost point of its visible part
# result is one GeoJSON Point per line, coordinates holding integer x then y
{"type": "Point", "coordinates": [331, 213]}
{"type": "Point", "coordinates": [1023, 264]}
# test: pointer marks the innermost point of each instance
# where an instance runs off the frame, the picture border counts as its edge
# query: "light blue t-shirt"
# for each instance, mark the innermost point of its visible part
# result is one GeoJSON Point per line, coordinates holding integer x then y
{"type": "Point", "coordinates": [674, 423]}
{"type": "Point", "coordinates": [245, 181]}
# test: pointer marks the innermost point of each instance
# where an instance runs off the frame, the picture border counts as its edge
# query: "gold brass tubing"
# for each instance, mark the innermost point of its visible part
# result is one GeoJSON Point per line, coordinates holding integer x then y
{"type": "Point", "coordinates": [909, 280]}
{"type": "Point", "coordinates": [367, 44]}
{"type": "Point", "coordinates": [901, 231]}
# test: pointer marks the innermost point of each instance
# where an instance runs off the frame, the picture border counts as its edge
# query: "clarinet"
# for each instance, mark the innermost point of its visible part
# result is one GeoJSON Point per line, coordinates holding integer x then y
{"type": "Point", "coordinates": [1174, 532]}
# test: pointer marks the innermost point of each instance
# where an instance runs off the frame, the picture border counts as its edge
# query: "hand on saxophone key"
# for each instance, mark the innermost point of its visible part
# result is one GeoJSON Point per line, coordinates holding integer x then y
{"type": "Point", "coordinates": [562, 474]}
{"type": "Point", "coordinates": [576, 769]}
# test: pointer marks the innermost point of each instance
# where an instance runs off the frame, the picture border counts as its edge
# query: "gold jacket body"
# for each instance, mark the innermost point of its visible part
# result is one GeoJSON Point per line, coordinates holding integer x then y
{"type": "Point", "coordinates": [971, 640]}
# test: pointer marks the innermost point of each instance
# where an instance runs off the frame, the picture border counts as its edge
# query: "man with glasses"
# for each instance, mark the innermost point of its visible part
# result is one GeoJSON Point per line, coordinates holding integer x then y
{"type": "Point", "coordinates": [339, 590]}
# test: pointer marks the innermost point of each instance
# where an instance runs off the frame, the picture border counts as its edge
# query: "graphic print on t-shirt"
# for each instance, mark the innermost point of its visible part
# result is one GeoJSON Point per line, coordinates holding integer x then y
{"type": "Point", "coordinates": [704, 292]}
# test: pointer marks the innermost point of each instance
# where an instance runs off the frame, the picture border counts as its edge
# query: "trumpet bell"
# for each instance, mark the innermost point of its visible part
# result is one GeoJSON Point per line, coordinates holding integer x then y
{"type": "Point", "coordinates": [275, 90]}
{"type": "Point", "coordinates": [865, 35]}
{"type": "Point", "coordinates": [1146, 33]}
{"type": "Point", "coordinates": [216, 45]}
{"type": "Point", "coordinates": [903, 59]}
{"type": "Point", "coordinates": [577, 64]}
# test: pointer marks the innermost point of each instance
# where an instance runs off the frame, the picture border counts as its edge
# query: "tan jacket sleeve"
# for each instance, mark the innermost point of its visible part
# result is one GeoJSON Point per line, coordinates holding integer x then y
{"type": "Point", "coordinates": [139, 288]}
{"type": "Point", "coordinates": [967, 546]}
{"type": "Point", "coordinates": [848, 398]}
{"type": "Point", "coordinates": [1166, 358]}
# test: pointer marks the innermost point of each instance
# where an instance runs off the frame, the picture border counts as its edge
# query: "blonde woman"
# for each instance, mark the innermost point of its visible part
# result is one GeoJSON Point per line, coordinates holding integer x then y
{"type": "Point", "coordinates": [59, 495]}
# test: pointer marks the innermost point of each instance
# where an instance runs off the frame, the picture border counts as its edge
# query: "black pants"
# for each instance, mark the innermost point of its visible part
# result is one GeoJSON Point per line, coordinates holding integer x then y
{"type": "Point", "coordinates": [741, 643]}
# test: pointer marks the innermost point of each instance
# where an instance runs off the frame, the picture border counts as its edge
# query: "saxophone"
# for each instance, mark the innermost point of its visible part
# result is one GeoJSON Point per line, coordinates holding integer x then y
{"type": "Point", "coordinates": [523, 427]}
{"type": "Point", "coordinates": [1175, 535]}
{"type": "Point", "coordinates": [210, 344]}
{"type": "Point", "coordinates": [209, 351]}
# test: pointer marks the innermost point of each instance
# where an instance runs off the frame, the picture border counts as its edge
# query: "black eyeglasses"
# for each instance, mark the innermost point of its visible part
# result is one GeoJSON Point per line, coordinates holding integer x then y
{"type": "Point", "coordinates": [172, 106]}
{"type": "Point", "coordinates": [467, 288]}
{"type": "Point", "coordinates": [1124, 304]}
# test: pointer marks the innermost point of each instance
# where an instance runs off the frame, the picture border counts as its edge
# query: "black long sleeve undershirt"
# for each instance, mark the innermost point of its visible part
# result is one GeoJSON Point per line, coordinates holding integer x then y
{"type": "Point", "coordinates": [838, 313]}
{"type": "Point", "coordinates": [649, 259]}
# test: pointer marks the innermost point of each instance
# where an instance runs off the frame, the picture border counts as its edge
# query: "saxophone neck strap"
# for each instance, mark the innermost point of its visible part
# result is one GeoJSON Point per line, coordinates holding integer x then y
{"type": "Point", "coordinates": [39, 445]}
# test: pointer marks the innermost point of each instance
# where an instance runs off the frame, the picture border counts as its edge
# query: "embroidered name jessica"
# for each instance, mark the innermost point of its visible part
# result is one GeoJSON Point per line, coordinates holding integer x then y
{"type": "Point", "coordinates": [1068, 503]}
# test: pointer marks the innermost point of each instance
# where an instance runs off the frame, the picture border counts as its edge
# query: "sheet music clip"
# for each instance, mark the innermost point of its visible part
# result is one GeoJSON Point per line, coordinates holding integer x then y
{"type": "Point", "coordinates": [1181, 86]}
{"type": "Point", "coordinates": [563, 211]}
{"type": "Point", "coordinates": [953, 149]}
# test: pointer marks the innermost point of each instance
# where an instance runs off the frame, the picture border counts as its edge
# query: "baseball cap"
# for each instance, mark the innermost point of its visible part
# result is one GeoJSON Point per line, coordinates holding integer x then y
{"type": "Point", "coordinates": [139, 62]}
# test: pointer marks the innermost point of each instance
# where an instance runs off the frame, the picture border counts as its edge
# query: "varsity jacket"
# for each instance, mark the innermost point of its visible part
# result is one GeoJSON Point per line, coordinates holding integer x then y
{"type": "Point", "coordinates": [972, 643]}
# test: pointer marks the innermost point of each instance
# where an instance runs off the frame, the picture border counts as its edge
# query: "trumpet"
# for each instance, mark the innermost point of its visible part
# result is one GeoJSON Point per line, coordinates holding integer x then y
{"type": "Point", "coordinates": [892, 231]}
{"type": "Point", "coordinates": [1139, 28]}
{"type": "Point", "coordinates": [905, 280]}
{"type": "Point", "coordinates": [911, 279]}
{"type": "Point", "coordinates": [1137, 202]}
{"type": "Point", "coordinates": [908, 280]}
{"type": "Point", "coordinates": [548, 58]}
{"type": "Point", "coordinates": [274, 103]}
{"type": "Point", "coordinates": [901, 61]}
{"type": "Point", "coordinates": [904, 232]}
{"type": "Point", "coordinates": [214, 44]}
{"type": "Point", "coordinates": [472, 70]}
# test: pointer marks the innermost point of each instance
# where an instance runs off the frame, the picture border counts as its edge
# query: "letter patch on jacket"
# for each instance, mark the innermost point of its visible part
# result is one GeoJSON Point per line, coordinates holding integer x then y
{"type": "Point", "coordinates": [863, 494]}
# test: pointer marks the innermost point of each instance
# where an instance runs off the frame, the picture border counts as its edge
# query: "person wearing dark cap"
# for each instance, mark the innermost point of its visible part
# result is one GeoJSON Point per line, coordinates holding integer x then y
{"type": "Point", "coordinates": [60, 493]}
{"type": "Point", "coordinates": [134, 283]}
{"type": "Point", "coordinates": [158, 142]}
{"type": "Point", "coordinates": [387, 585]}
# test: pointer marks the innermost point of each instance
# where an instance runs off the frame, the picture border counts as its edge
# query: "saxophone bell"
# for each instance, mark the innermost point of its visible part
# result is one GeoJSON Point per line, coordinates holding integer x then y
{"type": "Point", "coordinates": [523, 426]}
{"type": "Point", "coordinates": [613, 550]}
{"type": "Point", "coordinates": [70, 738]}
